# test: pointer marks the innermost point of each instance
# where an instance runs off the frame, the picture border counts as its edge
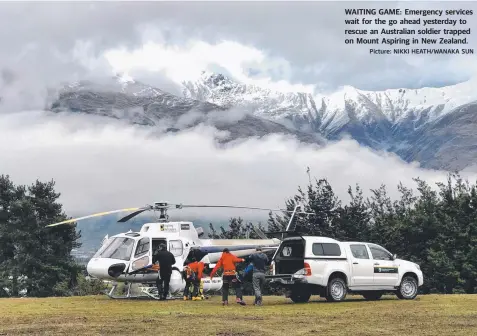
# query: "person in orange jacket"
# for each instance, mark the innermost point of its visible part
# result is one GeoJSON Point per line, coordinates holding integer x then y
{"type": "Point", "coordinates": [227, 261]}
{"type": "Point", "coordinates": [194, 277]}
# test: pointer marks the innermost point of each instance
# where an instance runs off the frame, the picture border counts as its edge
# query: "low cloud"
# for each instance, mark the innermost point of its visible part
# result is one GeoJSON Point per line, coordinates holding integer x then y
{"type": "Point", "coordinates": [103, 164]}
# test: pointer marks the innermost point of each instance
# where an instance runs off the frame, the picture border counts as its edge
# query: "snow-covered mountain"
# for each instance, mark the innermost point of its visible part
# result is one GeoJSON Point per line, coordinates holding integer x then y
{"type": "Point", "coordinates": [396, 105]}
{"type": "Point", "coordinates": [434, 126]}
{"type": "Point", "coordinates": [429, 125]}
{"type": "Point", "coordinates": [142, 104]}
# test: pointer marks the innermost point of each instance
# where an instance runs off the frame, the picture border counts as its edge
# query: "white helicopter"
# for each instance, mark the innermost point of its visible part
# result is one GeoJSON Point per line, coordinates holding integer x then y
{"type": "Point", "coordinates": [127, 257]}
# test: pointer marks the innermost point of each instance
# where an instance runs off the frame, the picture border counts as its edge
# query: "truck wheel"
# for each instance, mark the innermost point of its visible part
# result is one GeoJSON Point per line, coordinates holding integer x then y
{"type": "Point", "coordinates": [336, 290]}
{"type": "Point", "coordinates": [300, 295]}
{"type": "Point", "coordinates": [408, 288]}
{"type": "Point", "coordinates": [371, 296]}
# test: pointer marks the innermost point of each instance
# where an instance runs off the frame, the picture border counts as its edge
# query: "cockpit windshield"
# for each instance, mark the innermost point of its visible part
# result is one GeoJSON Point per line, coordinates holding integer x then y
{"type": "Point", "coordinates": [116, 248]}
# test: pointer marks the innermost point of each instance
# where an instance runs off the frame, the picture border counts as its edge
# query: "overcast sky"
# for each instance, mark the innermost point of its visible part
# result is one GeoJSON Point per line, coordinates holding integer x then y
{"type": "Point", "coordinates": [296, 42]}
{"type": "Point", "coordinates": [287, 45]}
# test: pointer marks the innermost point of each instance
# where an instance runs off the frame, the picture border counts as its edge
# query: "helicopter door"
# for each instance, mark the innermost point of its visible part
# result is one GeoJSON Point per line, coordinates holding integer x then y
{"type": "Point", "coordinates": [142, 257]}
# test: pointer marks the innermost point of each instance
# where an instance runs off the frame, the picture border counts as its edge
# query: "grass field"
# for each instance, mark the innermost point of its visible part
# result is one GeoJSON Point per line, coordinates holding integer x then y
{"type": "Point", "coordinates": [99, 315]}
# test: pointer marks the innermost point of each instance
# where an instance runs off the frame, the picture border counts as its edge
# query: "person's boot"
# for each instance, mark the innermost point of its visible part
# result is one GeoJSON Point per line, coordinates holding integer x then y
{"type": "Point", "coordinates": [225, 303]}
{"type": "Point", "coordinates": [241, 302]}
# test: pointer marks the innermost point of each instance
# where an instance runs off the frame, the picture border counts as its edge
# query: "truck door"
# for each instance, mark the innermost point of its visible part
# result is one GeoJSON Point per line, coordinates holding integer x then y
{"type": "Point", "coordinates": [289, 257]}
{"type": "Point", "coordinates": [142, 257]}
{"type": "Point", "coordinates": [362, 270]}
{"type": "Point", "coordinates": [386, 271]}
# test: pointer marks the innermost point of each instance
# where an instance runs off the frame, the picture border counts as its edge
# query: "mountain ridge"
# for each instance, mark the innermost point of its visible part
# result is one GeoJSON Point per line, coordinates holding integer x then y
{"type": "Point", "coordinates": [392, 120]}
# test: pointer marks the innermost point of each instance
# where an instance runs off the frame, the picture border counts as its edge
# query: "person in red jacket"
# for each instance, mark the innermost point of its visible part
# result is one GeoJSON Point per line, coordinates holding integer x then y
{"type": "Point", "coordinates": [194, 277]}
{"type": "Point", "coordinates": [227, 261]}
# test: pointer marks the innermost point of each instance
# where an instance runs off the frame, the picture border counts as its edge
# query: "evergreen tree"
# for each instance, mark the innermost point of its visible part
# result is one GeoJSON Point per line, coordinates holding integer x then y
{"type": "Point", "coordinates": [35, 258]}
{"type": "Point", "coordinates": [213, 232]}
{"type": "Point", "coordinates": [355, 218]}
{"type": "Point", "coordinates": [318, 199]}
{"type": "Point", "coordinates": [237, 229]}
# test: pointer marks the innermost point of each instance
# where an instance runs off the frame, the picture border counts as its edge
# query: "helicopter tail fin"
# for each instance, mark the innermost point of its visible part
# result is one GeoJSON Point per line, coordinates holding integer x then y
{"type": "Point", "coordinates": [259, 232]}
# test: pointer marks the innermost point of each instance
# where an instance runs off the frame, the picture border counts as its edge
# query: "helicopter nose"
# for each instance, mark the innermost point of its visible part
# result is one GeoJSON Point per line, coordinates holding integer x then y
{"type": "Point", "coordinates": [104, 268]}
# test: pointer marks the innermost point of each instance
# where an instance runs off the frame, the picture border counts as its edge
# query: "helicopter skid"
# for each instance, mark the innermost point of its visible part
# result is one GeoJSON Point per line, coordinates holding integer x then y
{"type": "Point", "coordinates": [147, 293]}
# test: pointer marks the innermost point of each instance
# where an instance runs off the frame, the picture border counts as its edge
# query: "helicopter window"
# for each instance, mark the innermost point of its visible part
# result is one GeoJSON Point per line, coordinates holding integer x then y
{"type": "Point", "coordinates": [176, 248]}
{"type": "Point", "coordinates": [103, 247]}
{"type": "Point", "coordinates": [142, 247]}
{"type": "Point", "coordinates": [119, 248]}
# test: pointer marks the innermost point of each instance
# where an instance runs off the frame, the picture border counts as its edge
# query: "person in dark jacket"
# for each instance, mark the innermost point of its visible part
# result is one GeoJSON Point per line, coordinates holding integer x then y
{"type": "Point", "coordinates": [259, 261]}
{"type": "Point", "coordinates": [166, 261]}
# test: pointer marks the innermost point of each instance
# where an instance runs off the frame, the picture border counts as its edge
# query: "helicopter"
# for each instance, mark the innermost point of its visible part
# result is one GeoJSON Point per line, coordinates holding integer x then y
{"type": "Point", "coordinates": [127, 257]}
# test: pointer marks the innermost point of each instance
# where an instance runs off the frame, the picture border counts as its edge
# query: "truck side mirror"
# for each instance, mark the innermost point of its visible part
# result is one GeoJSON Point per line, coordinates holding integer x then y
{"type": "Point", "coordinates": [394, 256]}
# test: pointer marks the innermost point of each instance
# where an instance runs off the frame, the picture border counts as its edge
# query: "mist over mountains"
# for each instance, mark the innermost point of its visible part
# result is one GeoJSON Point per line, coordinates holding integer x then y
{"type": "Point", "coordinates": [433, 126]}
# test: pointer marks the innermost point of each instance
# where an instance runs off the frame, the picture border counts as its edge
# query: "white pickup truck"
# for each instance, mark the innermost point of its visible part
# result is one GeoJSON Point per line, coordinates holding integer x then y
{"type": "Point", "coordinates": [311, 265]}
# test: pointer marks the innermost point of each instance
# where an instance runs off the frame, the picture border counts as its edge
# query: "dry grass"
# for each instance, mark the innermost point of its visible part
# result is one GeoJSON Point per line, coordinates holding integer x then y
{"type": "Point", "coordinates": [99, 315]}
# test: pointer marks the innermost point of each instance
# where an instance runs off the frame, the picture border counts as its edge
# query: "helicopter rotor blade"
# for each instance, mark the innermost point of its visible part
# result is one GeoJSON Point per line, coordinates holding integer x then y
{"type": "Point", "coordinates": [135, 213]}
{"type": "Point", "coordinates": [91, 216]}
{"type": "Point", "coordinates": [180, 206]}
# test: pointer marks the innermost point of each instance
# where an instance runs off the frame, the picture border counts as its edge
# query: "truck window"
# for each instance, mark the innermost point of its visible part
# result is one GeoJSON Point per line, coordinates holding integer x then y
{"type": "Point", "coordinates": [379, 253]}
{"type": "Point", "coordinates": [290, 256]}
{"type": "Point", "coordinates": [359, 251]}
{"type": "Point", "coordinates": [326, 249]}
{"type": "Point", "coordinates": [292, 249]}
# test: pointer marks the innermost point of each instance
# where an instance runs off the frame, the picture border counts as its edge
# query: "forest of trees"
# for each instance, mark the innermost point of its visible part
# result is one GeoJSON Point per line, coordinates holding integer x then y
{"type": "Point", "coordinates": [434, 226]}
{"type": "Point", "coordinates": [35, 260]}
